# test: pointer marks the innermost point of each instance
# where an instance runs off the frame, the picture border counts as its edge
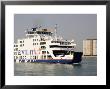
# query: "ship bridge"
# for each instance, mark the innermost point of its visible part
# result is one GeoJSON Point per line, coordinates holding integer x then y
{"type": "Point", "coordinates": [44, 32]}
{"type": "Point", "coordinates": [40, 32]}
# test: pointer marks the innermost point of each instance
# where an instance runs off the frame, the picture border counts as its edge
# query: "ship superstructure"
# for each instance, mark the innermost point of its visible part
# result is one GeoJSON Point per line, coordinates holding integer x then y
{"type": "Point", "coordinates": [43, 44]}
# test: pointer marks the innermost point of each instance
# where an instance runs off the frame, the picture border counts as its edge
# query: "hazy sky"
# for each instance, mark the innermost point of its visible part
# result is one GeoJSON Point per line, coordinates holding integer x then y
{"type": "Point", "coordinates": [70, 26]}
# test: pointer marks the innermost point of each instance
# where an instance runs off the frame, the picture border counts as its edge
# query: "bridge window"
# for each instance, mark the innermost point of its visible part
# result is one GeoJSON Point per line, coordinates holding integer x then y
{"type": "Point", "coordinates": [42, 43]}
{"type": "Point", "coordinates": [43, 47]}
{"type": "Point", "coordinates": [43, 52]}
{"type": "Point", "coordinates": [20, 41]}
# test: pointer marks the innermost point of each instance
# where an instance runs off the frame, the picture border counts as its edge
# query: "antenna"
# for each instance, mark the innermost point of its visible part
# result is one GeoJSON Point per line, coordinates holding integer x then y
{"type": "Point", "coordinates": [56, 32]}
{"type": "Point", "coordinates": [26, 32]}
{"type": "Point", "coordinates": [40, 26]}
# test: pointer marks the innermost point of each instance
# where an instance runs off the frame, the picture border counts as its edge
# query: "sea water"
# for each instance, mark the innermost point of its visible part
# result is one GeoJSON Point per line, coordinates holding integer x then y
{"type": "Point", "coordinates": [88, 67]}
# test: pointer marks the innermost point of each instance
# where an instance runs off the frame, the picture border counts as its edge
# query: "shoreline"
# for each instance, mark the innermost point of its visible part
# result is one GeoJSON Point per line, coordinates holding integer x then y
{"type": "Point", "coordinates": [88, 56]}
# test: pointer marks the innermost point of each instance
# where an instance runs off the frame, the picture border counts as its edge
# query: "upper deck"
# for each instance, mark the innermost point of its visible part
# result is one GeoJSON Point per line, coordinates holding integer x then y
{"type": "Point", "coordinates": [40, 31]}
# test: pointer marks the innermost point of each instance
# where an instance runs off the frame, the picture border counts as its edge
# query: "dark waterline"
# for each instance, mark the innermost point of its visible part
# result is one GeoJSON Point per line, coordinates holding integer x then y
{"type": "Point", "coordinates": [88, 67]}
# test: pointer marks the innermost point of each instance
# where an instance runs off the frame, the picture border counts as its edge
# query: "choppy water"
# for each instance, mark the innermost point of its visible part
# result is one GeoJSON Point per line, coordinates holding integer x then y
{"type": "Point", "coordinates": [88, 67]}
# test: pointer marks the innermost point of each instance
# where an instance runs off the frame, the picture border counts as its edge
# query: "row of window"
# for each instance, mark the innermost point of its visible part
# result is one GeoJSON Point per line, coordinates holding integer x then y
{"type": "Point", "coordinates": [35, 43]}
{"type": "Point", "coordinates": [35, 39]}
{"type": "Point", "coordinates": [47, 33]}
{"type": "Point", "coordinates": [15, 57]}
{"type": "Point", "coordinates": [44, 52]}
{"type": "Point", "coordinates": [64, 43]}
{"type": "Point", "coordinates": [22, 41]}
{"type": "Point", "coordinates": [43, 47]}
{"type": "Point", "coordinates": [21, 45]}
{"type": "Point", "coordinates": [16, 49]}
{"type": "Point", "coordinates": [42, 39]}
{"type": "Point", "coordinates": [55, 46]}
{"type": "Point", "coordinates": [22, 57]}
{"type": "Point", "coordinates": [48, 57]}
{"type": "Point", "coordinates": [33, 57]}
{"type": "Point", "coordinates": [42, 43]}
{"type": "Point", "coordinates": [15, 45]}
{"type": "Point", "coordinates": [15, 53]}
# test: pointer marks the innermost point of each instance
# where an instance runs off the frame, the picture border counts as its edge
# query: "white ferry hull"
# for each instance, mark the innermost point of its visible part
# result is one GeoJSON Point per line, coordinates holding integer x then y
{"type": "Point", "coordinates": [77, 59]}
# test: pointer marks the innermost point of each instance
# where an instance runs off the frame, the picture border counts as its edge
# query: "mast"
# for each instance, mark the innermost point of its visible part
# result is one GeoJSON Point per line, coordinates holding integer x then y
{"type": "Point", "coordinates": [55, 32]}
{"type": "Point", "coordinates": [26, 32]}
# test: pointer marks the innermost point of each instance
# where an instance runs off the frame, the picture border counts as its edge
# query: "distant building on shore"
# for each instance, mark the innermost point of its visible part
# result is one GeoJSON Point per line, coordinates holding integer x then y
{"type": "Point", "coordinates": [90, 47]}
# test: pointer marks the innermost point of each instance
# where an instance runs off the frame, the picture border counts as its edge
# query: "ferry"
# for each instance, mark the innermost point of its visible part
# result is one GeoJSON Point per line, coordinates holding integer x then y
{"type": "Point", "coordinates": [46, 46]}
